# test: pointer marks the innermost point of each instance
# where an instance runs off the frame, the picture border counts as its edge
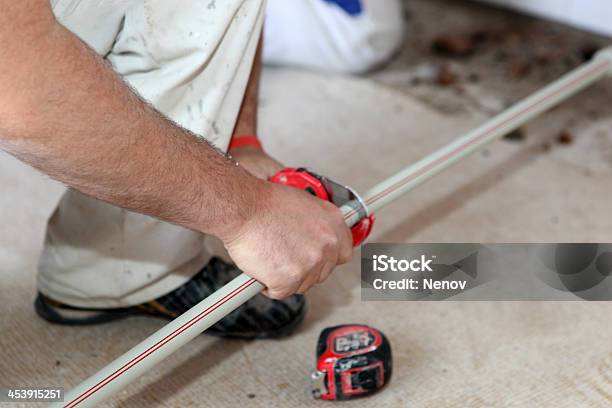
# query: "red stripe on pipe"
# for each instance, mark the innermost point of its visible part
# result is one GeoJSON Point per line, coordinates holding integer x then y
{"type": "Point", "coordinates": [157, 345]}
{"type": "Point", "coordinates": [459, 149]}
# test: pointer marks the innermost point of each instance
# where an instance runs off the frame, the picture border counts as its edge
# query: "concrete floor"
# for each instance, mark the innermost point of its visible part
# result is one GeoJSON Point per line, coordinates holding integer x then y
{"type": "Point", "coordinates": [359, 130]}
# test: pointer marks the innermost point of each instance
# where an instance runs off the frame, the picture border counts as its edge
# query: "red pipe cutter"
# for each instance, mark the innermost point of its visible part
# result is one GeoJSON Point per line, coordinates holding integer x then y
{"type": "Point", "coordinates": [329, 190]}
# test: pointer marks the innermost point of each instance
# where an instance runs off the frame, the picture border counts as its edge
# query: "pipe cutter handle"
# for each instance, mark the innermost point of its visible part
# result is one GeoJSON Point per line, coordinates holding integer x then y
{"type": "Point", "coordinates": [329, 190]}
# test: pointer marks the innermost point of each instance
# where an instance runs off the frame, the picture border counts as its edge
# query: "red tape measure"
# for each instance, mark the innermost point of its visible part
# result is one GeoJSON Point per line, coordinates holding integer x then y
{"type": "Point", "coordinates": [352, 361]}
{"type": "Point", "coordinates": [331, 191]}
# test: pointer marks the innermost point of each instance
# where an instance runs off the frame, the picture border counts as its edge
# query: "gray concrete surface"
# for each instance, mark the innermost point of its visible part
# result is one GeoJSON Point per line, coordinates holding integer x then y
{"type": "Point", "coordinates": [453, 354]}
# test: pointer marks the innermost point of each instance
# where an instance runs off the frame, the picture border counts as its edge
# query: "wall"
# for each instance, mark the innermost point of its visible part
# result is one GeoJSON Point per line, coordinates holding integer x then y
{"type": "Point", "coordinates": [592, 15]}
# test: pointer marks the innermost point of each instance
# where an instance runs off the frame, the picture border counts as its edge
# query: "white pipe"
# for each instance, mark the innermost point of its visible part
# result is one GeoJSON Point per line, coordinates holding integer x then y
{"type": "Point", "coordinates": [498, 126]}
{"type": "Point", "coordinates": [162, 343]}
{"type": "Point", "coordinates": [169, 338]}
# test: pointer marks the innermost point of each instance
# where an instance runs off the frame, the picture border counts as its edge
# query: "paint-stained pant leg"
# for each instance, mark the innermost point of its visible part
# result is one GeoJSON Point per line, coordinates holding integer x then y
{"type": "Point", "coordinates": [191, 60]}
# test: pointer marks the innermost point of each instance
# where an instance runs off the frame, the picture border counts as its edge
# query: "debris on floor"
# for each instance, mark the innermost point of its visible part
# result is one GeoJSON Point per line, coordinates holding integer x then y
{"type": "Point", "coordinates": [460, 45]}
{"type": "Point", "coordinates": [445, 76]}
{"type": "Point", "coordinates": [517, 135]}
{"type": "Point", "coordinates": [565, 137]}
{"type": "Point", "coordinates": [520, 69]}
{"type": "Point", "coordinates": [486, 59]}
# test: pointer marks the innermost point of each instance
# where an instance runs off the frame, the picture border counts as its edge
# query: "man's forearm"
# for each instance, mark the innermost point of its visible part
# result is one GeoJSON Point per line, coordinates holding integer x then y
{"type": "Point", "coordinates": [64, 111]}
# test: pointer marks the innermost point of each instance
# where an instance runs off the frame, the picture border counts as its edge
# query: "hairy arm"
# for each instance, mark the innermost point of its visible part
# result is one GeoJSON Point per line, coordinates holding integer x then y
{"type": "Point", "coordinates": [64, 111]}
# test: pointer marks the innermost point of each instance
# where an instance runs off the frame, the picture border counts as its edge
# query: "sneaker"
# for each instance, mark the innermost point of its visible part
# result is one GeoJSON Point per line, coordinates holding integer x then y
{"type": "Point", "coordinates": [258, 318]}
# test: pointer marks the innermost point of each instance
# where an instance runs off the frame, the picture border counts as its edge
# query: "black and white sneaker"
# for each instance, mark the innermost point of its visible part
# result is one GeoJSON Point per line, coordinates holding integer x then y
{"type": "Point", "coordinates": [260, 317]}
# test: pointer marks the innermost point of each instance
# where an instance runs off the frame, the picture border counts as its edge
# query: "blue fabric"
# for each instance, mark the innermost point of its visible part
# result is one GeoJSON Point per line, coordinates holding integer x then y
{"type": "Point", "coordinates": [351, 7]}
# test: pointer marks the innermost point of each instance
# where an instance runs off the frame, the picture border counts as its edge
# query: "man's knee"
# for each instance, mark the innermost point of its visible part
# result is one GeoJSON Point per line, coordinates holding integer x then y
{"type": "Point", "coordinates": [375, 42]}
{"type": "Point", "coordinates": [350, 36]}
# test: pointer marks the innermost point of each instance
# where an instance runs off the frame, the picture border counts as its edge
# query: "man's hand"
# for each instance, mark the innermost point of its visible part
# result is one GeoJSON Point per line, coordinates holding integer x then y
{"type": "Point", "coordinates": [303, 238]}
{"type": "Point", "coordinates": [256, 162]}
{"type": "Point", "coordinates": [293, 243]}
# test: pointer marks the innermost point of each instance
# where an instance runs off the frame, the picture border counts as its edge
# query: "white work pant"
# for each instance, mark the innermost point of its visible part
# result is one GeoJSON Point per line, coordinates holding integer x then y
{"type": "Point", "coordinates": [346, 36]}
{"type": "Point", "coordinates": [190, 59]}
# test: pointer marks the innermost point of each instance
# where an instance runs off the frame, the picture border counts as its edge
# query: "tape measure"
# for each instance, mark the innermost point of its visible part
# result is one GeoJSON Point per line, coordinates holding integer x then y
{"type": "Point", "coordinates": [352, 361]}
{"type": "Point", "coordinates": [329, 190]}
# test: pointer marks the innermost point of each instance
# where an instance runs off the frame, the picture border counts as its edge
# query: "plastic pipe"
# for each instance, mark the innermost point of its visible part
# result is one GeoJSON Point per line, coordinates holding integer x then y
{"type": "Point", "coordinates": [512, 118]}
{"type": "Point", "coordinates": [184, 328]}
